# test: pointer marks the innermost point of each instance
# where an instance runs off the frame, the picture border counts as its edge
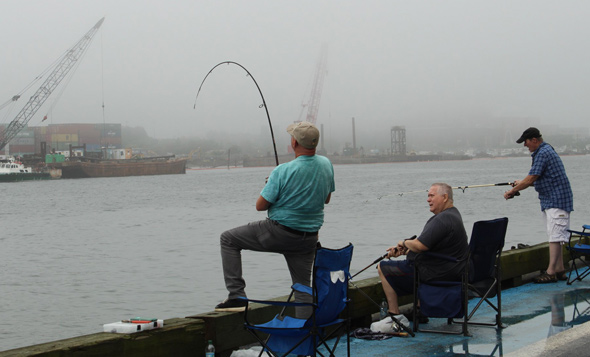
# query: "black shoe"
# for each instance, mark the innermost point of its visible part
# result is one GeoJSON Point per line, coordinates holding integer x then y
{"type": "Point", "coordinates": [421, 318]}
{"type": "Point", "coordinates": [233, 305]}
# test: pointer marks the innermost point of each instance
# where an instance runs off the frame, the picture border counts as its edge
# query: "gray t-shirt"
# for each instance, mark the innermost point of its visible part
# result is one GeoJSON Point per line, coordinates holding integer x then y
{"type": "Point", "coordinates": [444, 233]}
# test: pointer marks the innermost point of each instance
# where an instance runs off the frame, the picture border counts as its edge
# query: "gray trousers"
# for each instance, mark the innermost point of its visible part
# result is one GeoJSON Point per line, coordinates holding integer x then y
{"type": "Point", "coordinates": [266, 236]}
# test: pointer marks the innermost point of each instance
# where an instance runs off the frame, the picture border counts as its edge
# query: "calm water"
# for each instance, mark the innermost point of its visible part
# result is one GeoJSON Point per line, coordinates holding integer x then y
{"type": "Point", "coordinates": [76, 254]}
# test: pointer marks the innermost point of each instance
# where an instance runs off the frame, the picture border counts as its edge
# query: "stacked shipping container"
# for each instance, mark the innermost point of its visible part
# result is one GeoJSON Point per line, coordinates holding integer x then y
{"type": "Point", "coordinates": [61, 136]}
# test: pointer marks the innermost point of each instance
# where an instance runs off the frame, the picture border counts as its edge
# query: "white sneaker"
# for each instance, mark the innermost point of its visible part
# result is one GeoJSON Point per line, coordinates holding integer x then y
{"type": "Point", "coordinates": [385, 325]}
{"type": "Point", "coordinates": [388, 325]}
{"type": "Point", "coordinates": [403, 320]}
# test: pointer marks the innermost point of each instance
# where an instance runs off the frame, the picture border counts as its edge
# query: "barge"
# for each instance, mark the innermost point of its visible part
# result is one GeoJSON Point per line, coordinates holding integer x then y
{"type": "Point", "coordinates": [80, 167]}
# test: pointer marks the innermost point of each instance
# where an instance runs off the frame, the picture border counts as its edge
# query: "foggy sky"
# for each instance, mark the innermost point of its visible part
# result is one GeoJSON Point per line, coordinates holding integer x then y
{"type": "Point", "coordinates": [420, 64]}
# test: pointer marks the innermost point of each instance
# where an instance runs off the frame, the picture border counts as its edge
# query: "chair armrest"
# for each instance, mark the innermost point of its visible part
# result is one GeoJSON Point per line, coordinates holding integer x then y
{"type": "Point", "coordinates": [585, 234]}
{"type": "Point", "coordinates": [576, 236]}
{"type": "Point", "coordinates": [277, 303]}
{"type": "Point", "coordinates": [282, 304]}
{"type": "Point", "coordinates": [302, 288]}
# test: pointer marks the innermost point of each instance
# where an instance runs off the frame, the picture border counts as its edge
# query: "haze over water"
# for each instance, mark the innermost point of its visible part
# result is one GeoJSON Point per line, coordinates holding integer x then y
{"type": "Point", "coordinates": [77, 254]}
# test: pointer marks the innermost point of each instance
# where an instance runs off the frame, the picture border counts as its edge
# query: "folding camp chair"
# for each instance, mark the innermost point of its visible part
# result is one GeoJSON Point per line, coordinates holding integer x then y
{"type": "Point", "coordinates": [483, 281]}
{"type": "Point", "coordinates": [579, 248]}
{"type": "Point", "coordinates": [329, 293]}
{"type": "Point", "coordinates": [440, 299]}
{"type": "Point", "coordinates": [485, 274]}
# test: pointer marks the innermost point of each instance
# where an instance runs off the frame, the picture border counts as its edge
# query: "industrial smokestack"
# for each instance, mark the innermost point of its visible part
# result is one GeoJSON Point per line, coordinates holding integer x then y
{"type": "Point", "coordinates": [353, 137]}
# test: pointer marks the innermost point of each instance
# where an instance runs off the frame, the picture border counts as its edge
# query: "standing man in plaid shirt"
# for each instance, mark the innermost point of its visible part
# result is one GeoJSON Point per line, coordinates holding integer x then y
{"type": "Point", "coordinates": [548, 176]}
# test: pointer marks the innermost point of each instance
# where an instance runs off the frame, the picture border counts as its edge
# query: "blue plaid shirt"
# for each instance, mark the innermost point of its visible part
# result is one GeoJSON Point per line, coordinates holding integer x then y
{"type": "Point", "coordinates": [552, 184]}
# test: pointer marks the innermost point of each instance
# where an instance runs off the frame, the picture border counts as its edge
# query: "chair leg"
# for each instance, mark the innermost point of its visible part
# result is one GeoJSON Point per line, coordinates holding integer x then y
{"type": "Point", "coordinates": [416, 320]}
{"type": "Point", "coordinates": [499, 300]}
{"type": "Point", "coordinates": [579, 276]}
{"type": "Point", "coordinates": [348, 339]}
{"type": "Point", "coordinates": [465, 306]}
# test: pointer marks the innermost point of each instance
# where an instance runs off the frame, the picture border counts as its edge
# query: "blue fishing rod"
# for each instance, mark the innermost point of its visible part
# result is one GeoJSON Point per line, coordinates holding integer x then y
{"type": "Point", "coordinates": [272, 135]}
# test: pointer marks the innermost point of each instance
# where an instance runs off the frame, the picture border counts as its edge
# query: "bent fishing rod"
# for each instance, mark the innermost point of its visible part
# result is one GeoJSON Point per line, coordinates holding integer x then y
{"type": "Point", "coordinates": [272, 135]}
{"type": "Point", "coordinates": [462, 188]}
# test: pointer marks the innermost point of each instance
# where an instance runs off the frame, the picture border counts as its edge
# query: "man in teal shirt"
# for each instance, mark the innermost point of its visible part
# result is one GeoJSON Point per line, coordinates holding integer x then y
{"type": "Point", "coordinates": [294, 197]}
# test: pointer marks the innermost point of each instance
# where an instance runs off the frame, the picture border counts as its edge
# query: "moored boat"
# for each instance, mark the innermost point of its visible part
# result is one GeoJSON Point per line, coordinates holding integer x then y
{"type": "Point", "coordinates": [12, 170]}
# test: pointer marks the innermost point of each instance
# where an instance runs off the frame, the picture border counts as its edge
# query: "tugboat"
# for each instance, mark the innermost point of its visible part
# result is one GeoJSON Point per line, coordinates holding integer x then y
{"type": "Point", "coordinates": [12, 170]}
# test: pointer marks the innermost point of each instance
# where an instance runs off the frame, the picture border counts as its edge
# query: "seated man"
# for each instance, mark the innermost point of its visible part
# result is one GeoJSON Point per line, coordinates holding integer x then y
{"type": "Point", "coordinates": [444, 233]}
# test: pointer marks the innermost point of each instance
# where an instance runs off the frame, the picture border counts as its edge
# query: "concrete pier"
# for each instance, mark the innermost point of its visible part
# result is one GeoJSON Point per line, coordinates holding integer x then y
{"type": "Point", "coordinates": [188, 336]}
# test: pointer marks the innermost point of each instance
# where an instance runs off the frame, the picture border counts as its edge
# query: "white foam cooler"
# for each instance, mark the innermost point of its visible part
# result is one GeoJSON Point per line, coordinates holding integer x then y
{"type": "Point", "coordinates": [131, 327]}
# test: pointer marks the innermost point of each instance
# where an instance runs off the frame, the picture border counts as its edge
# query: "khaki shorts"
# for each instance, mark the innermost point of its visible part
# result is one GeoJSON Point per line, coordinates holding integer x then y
{"type": "Point", "coordinates": [557, 222]}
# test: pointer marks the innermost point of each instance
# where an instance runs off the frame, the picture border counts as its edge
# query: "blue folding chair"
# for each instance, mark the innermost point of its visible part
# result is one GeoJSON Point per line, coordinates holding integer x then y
{"type": "Point", "coordinates": [579, 248]}
{"type": "Point", "coordinates": [329, 293]}
{"type": "Point", "coordinates": [481, 279]}
{"type": "Point", "coordinates": [440, 299]}
{"type": "Point", "coordinates": [485, 273]}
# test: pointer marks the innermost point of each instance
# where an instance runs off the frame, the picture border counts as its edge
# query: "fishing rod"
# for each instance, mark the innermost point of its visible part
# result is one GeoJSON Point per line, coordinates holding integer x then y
{"type": "Point", "coordinates": [462, 188]}
{"type": "Point", "coordinates": [368, 266]}
{"type": "Point", "coordinates": [378, 260]}
{"type": "Point", "coordinates": [272, 135]}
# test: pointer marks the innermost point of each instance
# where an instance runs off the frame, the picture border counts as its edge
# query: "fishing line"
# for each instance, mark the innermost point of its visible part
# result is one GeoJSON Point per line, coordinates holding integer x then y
{"type": "Point", "coordinates": [462, 188]}
{"type": "Point", "coordinates": [260, 106]}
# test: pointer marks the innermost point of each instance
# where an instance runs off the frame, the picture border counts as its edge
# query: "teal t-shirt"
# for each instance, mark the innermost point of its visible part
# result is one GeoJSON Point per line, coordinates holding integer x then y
{"type": "Point", "coordinates": [297, 191]}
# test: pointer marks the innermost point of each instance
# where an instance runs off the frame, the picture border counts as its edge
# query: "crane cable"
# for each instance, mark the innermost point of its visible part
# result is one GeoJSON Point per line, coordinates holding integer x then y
{"type": "Point", "coordinates": [48, 69]}
{"type": "Point", "coordinates": [67, 81]}
{"type": "Point", "coordinates": [17, 96]}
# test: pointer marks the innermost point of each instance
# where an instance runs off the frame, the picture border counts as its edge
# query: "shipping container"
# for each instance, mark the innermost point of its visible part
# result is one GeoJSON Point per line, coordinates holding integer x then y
{"type": "Point", "coordinates": [64, 138]}
{"type": "Point", "coordinates": [93, 147]}
{"type": "Point", "coordinates": [22, 141]}
{"type": "Point", "coordinates": [109, 130]}
{"type": "Point", "coordinates": [25, 133]}
{"type": "Point", "coordinates": [61, 136]}
{"type": "Point", "coordinates": [50, 158]}
{"type": "Point", "coordinates": [19, 150]}
{"type": "Point", "coordinates": [69, 128]}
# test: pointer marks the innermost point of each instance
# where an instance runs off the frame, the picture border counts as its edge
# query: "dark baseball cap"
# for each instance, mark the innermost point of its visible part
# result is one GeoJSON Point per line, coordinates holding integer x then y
{"type": "Point", "coordinates": [529, 134]}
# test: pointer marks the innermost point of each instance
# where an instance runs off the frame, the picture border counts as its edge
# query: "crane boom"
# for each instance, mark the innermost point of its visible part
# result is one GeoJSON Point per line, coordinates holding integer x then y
{"type": "Point", "coordinates": [36, 101]}
{"type": "Point", "coordinates": [318, 83]}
